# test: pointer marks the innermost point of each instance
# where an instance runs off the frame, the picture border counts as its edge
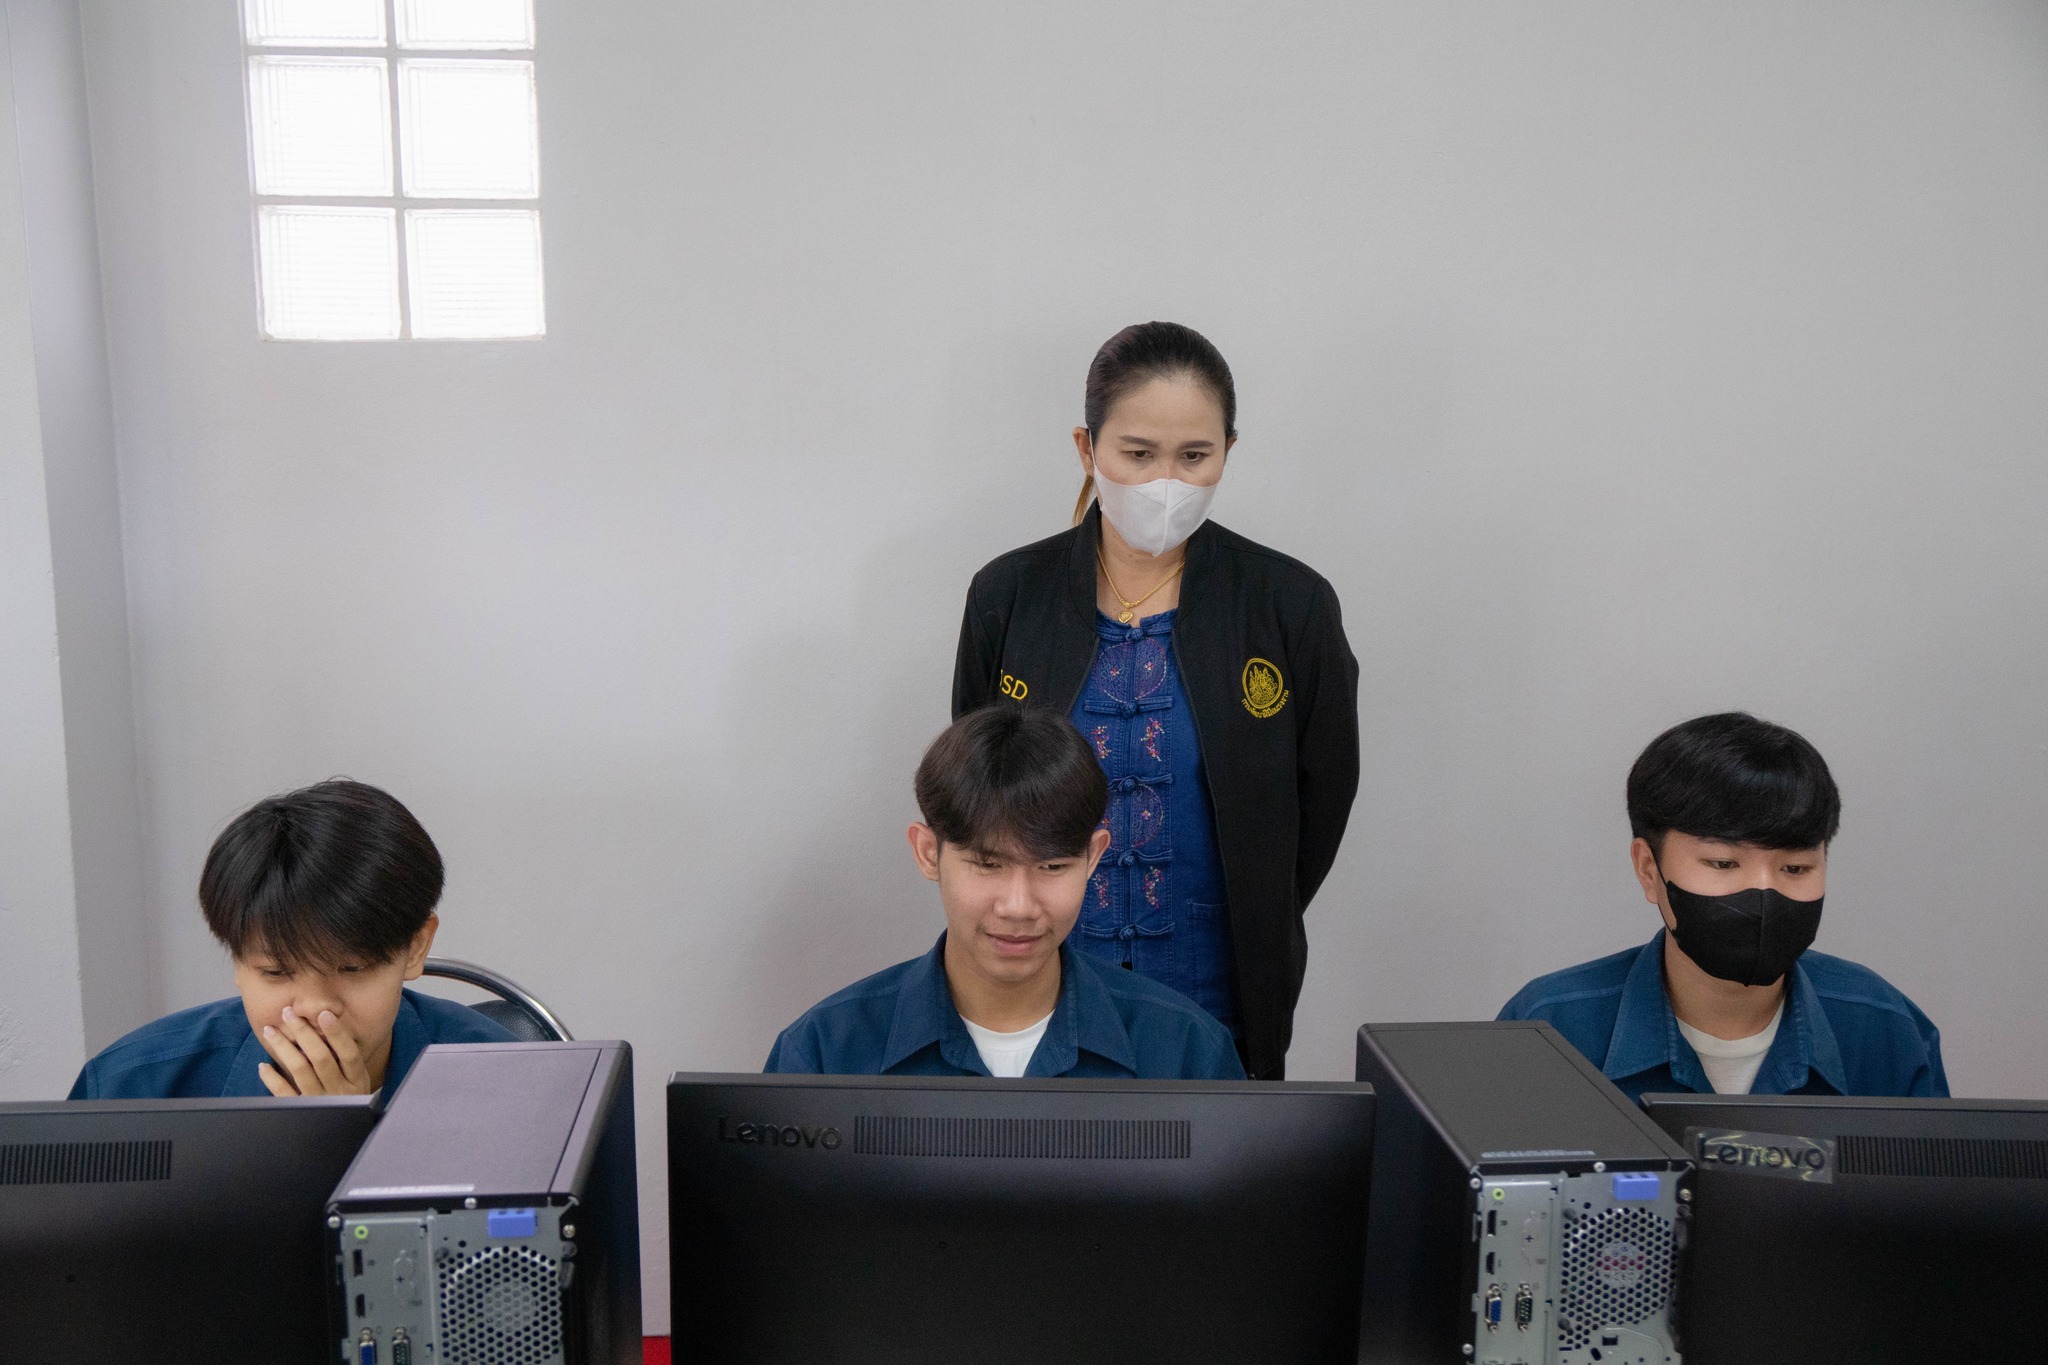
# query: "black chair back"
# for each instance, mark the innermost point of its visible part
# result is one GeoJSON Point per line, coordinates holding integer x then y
{"type": "Point", "coordinates": [516, 1009]}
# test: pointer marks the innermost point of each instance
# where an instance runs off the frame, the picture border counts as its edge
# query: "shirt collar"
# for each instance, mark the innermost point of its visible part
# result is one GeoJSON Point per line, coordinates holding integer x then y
{"type": "Point", "coordinates": [242, 1076]}
{"type": "Point", "coordinates": [1111, 631]}
{"type": "Point", "coordinates": [1645, 1030]}
{"type": "Point", "coordinates": [408, 1039]}
{"type": "Point", "coordinates": [1081, 566]}
{"type": "Point", "coordinates": [1646, 1033]}
{"type": "Point", "coordinates": [925, 1017]}
{"type": "Point", "coordinates": [1083, 1019]}
{"type": "Point", "coordinates": [1086, 1020]}
{"type": "Point", "coordinates": [1805, 1043]}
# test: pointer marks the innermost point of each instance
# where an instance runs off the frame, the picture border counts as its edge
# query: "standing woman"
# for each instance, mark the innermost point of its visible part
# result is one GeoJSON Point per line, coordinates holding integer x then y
{"type": "Point", "coordinates": [1210, 673]}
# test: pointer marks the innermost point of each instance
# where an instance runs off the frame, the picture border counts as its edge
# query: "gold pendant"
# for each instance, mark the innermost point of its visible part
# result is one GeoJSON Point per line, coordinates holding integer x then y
{"type": "Point", "coordinates": [1124, 616]}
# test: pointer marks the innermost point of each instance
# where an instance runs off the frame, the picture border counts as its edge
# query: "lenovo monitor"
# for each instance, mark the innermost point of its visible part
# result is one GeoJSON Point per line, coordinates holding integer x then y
{"type": "Point", "coordinates": [1831, 1230]}
{"type": "Point", "coordinates": [929, 1221]}
{"type": "Point", "coordinates": [172, 1230]}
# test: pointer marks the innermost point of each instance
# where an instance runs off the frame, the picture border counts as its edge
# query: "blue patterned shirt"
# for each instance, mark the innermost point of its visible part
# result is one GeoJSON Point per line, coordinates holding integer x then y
{"type": "Point", "coordinates": [1156, 902]}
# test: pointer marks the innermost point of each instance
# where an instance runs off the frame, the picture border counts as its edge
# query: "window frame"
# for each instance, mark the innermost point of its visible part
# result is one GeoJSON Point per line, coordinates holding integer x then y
{"type": "Point", "coordinates": [391, 54]}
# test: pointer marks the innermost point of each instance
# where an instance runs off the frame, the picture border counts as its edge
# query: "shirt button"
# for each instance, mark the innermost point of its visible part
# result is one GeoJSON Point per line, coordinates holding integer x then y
{"type": "Point", "coordinates": [1127, 860]}
{"type": "Point", "coordinates": [1128, 931]}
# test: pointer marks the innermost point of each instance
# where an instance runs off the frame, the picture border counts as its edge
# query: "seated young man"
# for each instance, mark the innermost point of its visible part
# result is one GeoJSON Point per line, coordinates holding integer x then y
{"type": "Point", "coordinates": [325, 900]}
{"type": "Point", "coordinates": [1732, 819]}
{"type": "Point", "coordinates": [1013, 801]}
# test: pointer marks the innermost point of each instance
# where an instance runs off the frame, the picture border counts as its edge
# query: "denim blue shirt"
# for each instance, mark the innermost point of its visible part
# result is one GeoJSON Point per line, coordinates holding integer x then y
{"type": "Point", "coordinates": [1156, 902]}
{"type": "Point", "coordinates": [210, 1050]}
{"type": "Point", "coordinates": [1845, 1030]}
{"type": "Point", "coordinates": [901, 1022]}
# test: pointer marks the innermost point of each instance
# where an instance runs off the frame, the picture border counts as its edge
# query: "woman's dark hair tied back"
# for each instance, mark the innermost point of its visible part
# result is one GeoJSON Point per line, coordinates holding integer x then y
{"type": "Point", "coordinates": [1156, 350]}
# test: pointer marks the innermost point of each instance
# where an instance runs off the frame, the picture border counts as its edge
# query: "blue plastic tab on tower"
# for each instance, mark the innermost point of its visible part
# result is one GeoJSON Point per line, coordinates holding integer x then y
{"type": "Point", "coordinates": [525, 1222]}
{"type": "Point", "coordinates": [1637, 1184]}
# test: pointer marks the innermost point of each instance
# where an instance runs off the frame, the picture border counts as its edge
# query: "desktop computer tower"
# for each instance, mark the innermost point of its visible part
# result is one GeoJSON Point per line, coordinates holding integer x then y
{"type": "Point", "coordinates": [1523, 1211]}
{"type": "Point", "coordinates": [493, 1216]}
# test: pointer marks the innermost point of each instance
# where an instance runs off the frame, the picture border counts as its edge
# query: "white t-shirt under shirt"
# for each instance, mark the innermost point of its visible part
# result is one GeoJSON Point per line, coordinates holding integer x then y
{"type": "Point", "coordinates": [1006, 1054]}
{"type": "Point", "coordinates": [1731, 1064]}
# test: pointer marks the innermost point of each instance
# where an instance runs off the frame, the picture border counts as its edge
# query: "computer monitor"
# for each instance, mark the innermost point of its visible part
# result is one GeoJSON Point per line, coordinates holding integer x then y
{"type": "Point", "coordinates": [172, 1229]}
{"type": "Point", "coordinates": [1861, 1230]}
{"type": "Point", "coordinates": [928, 1221]}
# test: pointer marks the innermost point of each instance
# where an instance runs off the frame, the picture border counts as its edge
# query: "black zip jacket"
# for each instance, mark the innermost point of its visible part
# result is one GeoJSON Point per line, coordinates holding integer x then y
{"type": "Point", "coordinates": [1274, 689]}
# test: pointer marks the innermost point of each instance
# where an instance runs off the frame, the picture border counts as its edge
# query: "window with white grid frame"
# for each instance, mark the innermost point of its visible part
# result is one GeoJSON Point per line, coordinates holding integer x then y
{"type": "Point", "coordinates": [394, 149]}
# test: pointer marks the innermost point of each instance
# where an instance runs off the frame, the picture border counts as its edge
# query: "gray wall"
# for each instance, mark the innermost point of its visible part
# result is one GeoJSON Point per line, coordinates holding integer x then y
{"type": "Point", "coordinates": [1616, 362]}
{"type": "Point", "coordinates": [87, 562]}
{"type": "Point", "coordinates": [42, 1018]}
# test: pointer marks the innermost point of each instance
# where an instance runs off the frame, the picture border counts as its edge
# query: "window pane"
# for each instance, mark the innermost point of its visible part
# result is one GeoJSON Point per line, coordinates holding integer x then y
{"type": "Point", "coordinates": [468, 129]}
{"type": "Point", "coordinates": [315, 23]}
{"type": "Point", "coordinates": [320, 125]}
{"type": "Point", "coordinates": [475, 272]}
{"type": "Point", "coordinates": [465, 23]}
{"type": "Point", "coordinates": [328, 273]}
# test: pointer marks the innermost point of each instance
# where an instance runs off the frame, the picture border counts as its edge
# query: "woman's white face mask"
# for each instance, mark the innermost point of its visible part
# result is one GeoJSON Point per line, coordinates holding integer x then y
{"type": "Point", "coordinates": [1156, 515]}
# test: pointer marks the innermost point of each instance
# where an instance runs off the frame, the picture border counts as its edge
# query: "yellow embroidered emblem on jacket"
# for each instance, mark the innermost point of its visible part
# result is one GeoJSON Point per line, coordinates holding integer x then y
{"type": "Point", "coordinates": [1264, 691]}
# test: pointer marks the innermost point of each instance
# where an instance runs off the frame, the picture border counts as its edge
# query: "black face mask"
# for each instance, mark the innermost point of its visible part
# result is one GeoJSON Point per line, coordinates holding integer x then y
{"type": "Point", "coordinates": [1752, 936]}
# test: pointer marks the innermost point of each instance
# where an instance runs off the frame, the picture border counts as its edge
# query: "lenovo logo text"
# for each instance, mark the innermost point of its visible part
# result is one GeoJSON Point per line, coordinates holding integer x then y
{"type": "Point", "coordinates": [1784, 1155]}
{"type": "Point", "coordinates": [778, 1135]}
{"type": "Point", "coordinates": [1756, 1154]}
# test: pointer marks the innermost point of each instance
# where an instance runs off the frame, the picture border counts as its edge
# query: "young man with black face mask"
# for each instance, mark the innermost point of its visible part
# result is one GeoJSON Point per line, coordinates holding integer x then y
{"type": "Point", "coordinates": [1732, 817]}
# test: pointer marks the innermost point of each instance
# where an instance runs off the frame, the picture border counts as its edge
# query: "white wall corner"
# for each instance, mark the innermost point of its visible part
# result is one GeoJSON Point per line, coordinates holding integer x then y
{"type": "Point", "coordinates": [74, 392]}
{"type": "Point", "coordinates": [42, 1019]}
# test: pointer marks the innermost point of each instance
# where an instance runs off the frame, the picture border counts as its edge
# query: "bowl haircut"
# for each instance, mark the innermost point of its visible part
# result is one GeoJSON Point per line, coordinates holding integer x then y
{"type": "Point", "coordinates": [1734, 779]}
{"type": "Point", "coordinates": [1007, 780]}
{"type": "Point", "coordinates": [339, 873]}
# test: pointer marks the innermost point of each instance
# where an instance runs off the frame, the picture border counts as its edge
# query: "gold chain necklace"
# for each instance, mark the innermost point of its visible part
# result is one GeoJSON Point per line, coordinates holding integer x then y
{"type": "Point", "coordinates": [1130, 607]}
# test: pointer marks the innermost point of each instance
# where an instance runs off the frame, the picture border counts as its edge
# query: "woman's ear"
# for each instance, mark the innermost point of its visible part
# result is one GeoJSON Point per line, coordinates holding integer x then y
{"type": "Point", "coordinates": [1084, 446]}
{"type": "Point", "coordinates": [421, 945]}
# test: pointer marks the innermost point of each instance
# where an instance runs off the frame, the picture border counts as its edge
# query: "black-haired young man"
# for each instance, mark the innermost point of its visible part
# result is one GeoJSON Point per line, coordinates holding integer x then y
{"type": "Point", "coordinates": [1732, 817]}
{"type": "Point", "coordinates": [324, 897]}
{"type": "Point", "coordinates": [1013, 801]}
